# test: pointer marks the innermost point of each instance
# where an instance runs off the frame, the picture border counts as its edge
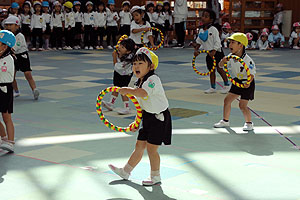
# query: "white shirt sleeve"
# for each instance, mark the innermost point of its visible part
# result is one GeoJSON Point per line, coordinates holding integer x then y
{"type": "Point", "coordinates": [153, 86]}
{"type": "Point", "coordinates": [217, 41]}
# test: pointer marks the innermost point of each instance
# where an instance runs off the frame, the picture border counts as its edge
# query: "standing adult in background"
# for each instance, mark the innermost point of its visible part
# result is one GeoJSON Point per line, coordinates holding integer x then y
{"type": "Point", "coordinates": [216, 7]}
{"type": "Point", "coordinates": [180, 17]}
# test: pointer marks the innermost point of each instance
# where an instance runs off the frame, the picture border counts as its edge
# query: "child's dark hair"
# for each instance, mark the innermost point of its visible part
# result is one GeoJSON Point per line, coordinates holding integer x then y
{"type": "Point", "coordinates": [24, 4]}
{"type": "Point", "coordinates": [101, 3]}
{"type": "Point", "coordinates": [125, 4]}
{"type": "Point", "coordinates": [166, 3]}
{"type": "Point", "coordinates": [129, 44]}
{"type": "Point", "coordinates": [212, 14]}
{"type": "Point", "coordinates": [158, 11]}
{"type": "Point", "coordinates": [142, 57]}
{"type": "Point", "coordinates": [149, 5]}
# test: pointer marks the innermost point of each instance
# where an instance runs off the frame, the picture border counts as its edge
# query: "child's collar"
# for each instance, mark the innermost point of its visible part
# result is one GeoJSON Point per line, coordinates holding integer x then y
{"type": "Point", "coordinates": [140, 81]}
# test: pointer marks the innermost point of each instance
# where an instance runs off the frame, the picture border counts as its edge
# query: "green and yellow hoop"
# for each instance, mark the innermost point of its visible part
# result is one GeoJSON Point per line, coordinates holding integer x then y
{"type": "Point", "coordinates": [123, 37]}
{"type": "Point", "coordinates": [161, 36]}
{"type": "Point", "coordinates": [245, 67]}
{"type": "Point", "coordinates": [138, 117]}
{"type": "Point", "coordinates": [194, 65]}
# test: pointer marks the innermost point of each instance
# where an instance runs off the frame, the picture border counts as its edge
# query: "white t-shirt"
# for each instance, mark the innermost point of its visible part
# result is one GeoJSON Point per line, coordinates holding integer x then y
{"type": "Point", "coordinates": [69, 20]}
{"type": "Point", "coordinates": [225, 35]}
{"type": "Point", "coordinates": [20, 46]}
{"type": "Point", "coordinates": [156, 101]}
{"type": "Point", "coordinates": [78, 16]}
{"type": "Point", "coordinates": [125, 18]}
{"type": "Point", "coordinates": [38, 21]}
{"type": "Point", "coordinates": [25, 19]}
{"type": "Point", "coordinates": [293, 36]}
{"type": "Point", "coordinates": [100, 19]}
{"type": "Point", "coordinates": [213, 41]}
{"type": "Point", "coordinates": [7, 71]}
{"type": "Point", "coordinates": [110, 18]}
{"type": "Point", "coordinates": [159, 18]}
{"type": "Point", "coordinates": [47, 18]}
{"type": "Point", "coordinates": [136, 37]}
{"type": "Point", "coordinates": [88, 19]}
{"type": "Point", "coordinates": [56, 20]}
{"type": "Point", "coordinates": [123, 68]}
{"type": "Point", "coordinates": [262, 45]}
{"type": "Point", "coordinates": [238, 70]}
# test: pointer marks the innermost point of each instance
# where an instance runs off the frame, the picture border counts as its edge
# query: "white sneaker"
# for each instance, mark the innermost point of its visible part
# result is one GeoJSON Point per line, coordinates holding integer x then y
{"type": "Point", "coordinates": [221, 124]}
{"type": "Point", "coordinates": [59, 48]}
{"type": "Point", "coordinates": [119, 171]}
{"type": "Point", "coordinates": [152, 181]}
{"type": "Point", "coordinates": [108, 105]}
{"type": "Point", "coordinates": [124, 111]}
{"type": "Point", "coordinates": [69, 48]}
{"type": "Point", "coordinates": [79, 47]}
{"type": "Point", "coordinates": [296, 47]}
{"type": "Point", "coordinates": [86, 47]}
{"type": "Point", "coordinates": [101, 47]}
{"type": "Point", "coordinates": [65, 48]}
{"type": "Point", "coordinates": [225, 90]}
{"type": "Point", "coordinates": [16, 94]}
{"type": "Point", "coordinates": [36, 94]}
{"type": "Point", "coordinates": [91, 48]}
{"type": "Point", "coordinates": [97, 47]}
{"type": "Point", "coordinates": [109, 47]}
{"type": "Point", "coordinates": [40, 49]}
{"type": "Point", "coordinates": [75, 47]}
{"type": "Point", "coordinates": [54, 48]}
{"type": "Point", "coordinates": [33, 49]}
{"type": "Point", "coordinates": [7, 146]}
{"type": "Point", "coordinates": [281, 46]}
{"type": "Point", "coordinates": [248, 127]}
{"type": "Point", "coordinates": [210, 91]}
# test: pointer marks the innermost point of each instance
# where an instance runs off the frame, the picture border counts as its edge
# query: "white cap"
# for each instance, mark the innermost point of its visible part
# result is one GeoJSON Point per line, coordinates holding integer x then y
{"type": "Point", "coordinates": [12, 20]}
{"type": "Point", "coordinates": [37, 3]}
{"type": "Point", "coordinates": [56, 3]}
{"type": "Point", "coordinates": [150, 54]}
{"type": "Point", "coordinates": [28, 2]}
{"type": "Point", "coordinates": [135, 8]}
{"type": "Point", "coordinates": [89, 2]}
{"type": "Point", "coordinates": [128, 2]}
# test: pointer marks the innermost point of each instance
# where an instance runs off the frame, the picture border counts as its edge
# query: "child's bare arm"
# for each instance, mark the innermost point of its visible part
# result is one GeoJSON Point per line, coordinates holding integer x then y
{"type": "Point", "coordinates": [138, 92]}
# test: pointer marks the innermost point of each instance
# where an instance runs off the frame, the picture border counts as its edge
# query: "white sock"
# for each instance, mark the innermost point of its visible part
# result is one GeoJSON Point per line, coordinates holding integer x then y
{"type": "Point", "coordinates": [113, 99]}
{"type": "Point", "coordinates": [127, 168]}
{"type": "Point", "coordinates": [155, 173]}
{"type": "Point", "coordinates": [126, 104]}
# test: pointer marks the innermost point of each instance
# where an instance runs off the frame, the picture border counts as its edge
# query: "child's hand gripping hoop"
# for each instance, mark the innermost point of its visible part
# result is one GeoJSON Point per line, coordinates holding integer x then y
{"type": "Point", "coordinates": [160, 44]}
{"type": "Point", "coordinates": [245, 67]}
{"type": "Point", "coordinates": [138, 117]}
{"type": "Point", "coordinates": [123, 37]}
{"type": "Point", "coordinates": [194, 65]}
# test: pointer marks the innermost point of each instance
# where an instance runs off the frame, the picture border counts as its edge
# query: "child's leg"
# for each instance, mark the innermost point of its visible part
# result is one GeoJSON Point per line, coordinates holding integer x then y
{"type": "Point", "coordinates": [212, 77]}
{"type": "Point", "coordinates": [40, 38]}
{"type": "Point", "coordinates": [244, 108]}
{"type": "Point", "coordinates": [15, 84]}
{"type": "Point", "coordinates": [126, 101]}
{"type": "Point", "coordinates": [136, 155]}
{"type": "Point", "coordinates": [9, 126]}
{"type": "Point", "coordinates": [227, 105]}
{"type": "Point", "coordinates": [223, 75]}
{"type": "Point", "coordinates": [30, 80]}
{"type": "Point", "coordinates": [154, 158]}
{"type": "Point", "coordinates": [2, 130]}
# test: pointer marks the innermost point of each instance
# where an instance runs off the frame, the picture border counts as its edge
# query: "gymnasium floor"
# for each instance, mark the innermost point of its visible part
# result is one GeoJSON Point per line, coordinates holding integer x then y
{"type": "Point", "coordinates": [63, 149]}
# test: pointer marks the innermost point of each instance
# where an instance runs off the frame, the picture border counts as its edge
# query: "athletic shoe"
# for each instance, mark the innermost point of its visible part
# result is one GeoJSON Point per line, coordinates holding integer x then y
{"type": "Point", "coordinates": [124, 111]}
{"type": "Point", "coordinates": [65, 48]}
{"type": "Point", "coordinates": [221, 124]}
{"type": "Point", "coordinates": [281, 46]}
{"type": "Point", "coordinates": [75, 47]}
{"type": "Point", "coordinates": [54, 49]}
{"type": "Point", "coordinates": [91, 48]}
{"type": "Point", "coordinates": [296, 47]}
{"type": "Point", "coordinates": [225, 90]}
{"type": "Point", "coordinates": [101, 47]}
{"type": "Point", "coordinates": [109, 47]}
{"type": "Point", "coordinates": [108, 105]}
{"type": "Point", "coordinates": [86, 47]}
{"type": "Point", "coordinates": [178, 46]}
{"type": "Point", "coordinates": [119, 171]}
{"type": "Point", "coordinates": [97, 47]}
{"type": "Point", "coordinates": [33, 49]}
{"type": "Point", "coordinates": [78, 47]}
{"type": "Point", "coordinates": [16, 94]}
{"type": "Point", "coordinates": [59, 48]}
{"type": "Point", "coordinates": [248, 127]}
{"type": "Point", "coordinates": [210, 91]}
{"type": "Point", "coordinates": [36, 94]}
{"type": "Point", "coordinates": [40, 49]}
{"type": "Point", "coordinates": [7, 146]}
{"type": "Point", "coordinates": [152, 181]}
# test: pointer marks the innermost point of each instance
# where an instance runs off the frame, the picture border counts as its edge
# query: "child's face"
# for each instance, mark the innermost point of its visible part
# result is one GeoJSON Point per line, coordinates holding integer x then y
{"type": "Point", "coordinates": [151, 10]}
{"type": "Point", "coordinates": [137, 17]}
{"type": "Point", "coordinates": [141, 68]}
{"type": "Point", "coordinates": [235, 47]}
{"type": "Point", "coordinates": [298, 29]}
{"type": "Point", "coordinates": [264, 38]}
{"type": "Point", "coordinates": [14, 10]}
{"type": "Point", "coordinates": [206, 18]}
{"type": "Point", "coordinates": [275, 32]}
{"type": "Point", "coordinates": [159, 8]}
{"type": "Point", "coordinates": [26, 9]}
{"type": "Point", "coordinates": [3, 48]}
{"type": "Point", "coordinates": [45, 9]}
{"type": "Point", "coordinates": [101, 7]}
{"type": "Point", "coordinates": [122, 50]}
{"type": "Point", "coordinates": [166, 7]}
{"type": "Point", "coordinates": [37, 8]}
{"type": "Point", "coordinates": [57, 8]}
{"type": "Point", "coordinates": [89, 7]}
{"type": "Point", "coordinates": [111, 7]}
{"type": "Point", "coordinates": [77, 7]}
{"type": "Point", "coordinates": [11, 27]}
{"type": "Point", "coordinates": [125, 7]}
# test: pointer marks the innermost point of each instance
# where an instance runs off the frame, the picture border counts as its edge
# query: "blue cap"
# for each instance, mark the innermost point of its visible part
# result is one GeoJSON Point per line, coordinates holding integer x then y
{"type": "Point", "coordinates": [76, 3]}
{"type": "Point", "coordinates": [8, 38]}
{"type": "Point", "coordinates": [45, 4]}
{"type": "Point", "coordinates": [111, 2]}
{"type": "Point", "coordinates": [15, 5]}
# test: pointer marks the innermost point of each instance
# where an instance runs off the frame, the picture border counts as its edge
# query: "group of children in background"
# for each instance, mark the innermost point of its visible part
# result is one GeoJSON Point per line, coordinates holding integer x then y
{"type": "Point", "coordinates": [83, 26]}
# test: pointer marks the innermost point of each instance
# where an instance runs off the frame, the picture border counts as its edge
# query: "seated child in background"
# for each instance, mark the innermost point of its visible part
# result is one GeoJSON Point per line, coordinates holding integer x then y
{"type": "Point", "coordinates": [275, 38]}
{"type": "Point", "coordinates": [226, 32]}
{"type": "Point", "coordinates": [263, 43]}
{"type": "Point", "coordinates": [251, 42]}
{"type": "Point", "coordinates": [294, 40]}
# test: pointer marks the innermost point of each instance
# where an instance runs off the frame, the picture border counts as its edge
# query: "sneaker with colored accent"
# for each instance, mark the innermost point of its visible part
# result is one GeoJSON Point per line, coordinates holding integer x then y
{"type": "Point", "coordinates": [210, 91]}
{"type": "Point", "coordinates": [248, 126]}
{"type": "Point", "coordinates": [16, 94]}
{"type": "Point", "coordinates": [7, 146]}
{"type": "Point", "coordinates": [108, 105]}
{"type": "Point", "coordinates": [109, 47]}
{"type": "Point", "coordinates": [124, 111]}
{"type": "Point", "coordinates": [221, 124]}
{"type": "Point", "coordinates": [152, 181]}
{"type": "Point", "coordinates": [225, 90]}
{"type": "Point", "coordinates": [101, 47]}
{"type": "Point", "coordinates": [178, 46]}
{"type": "Point", "coordinates": [33, 49]}
{"type": "Point", "coordinates": [119, 171]}
{"type": "Point", "coordinates": [296, 47]}
{"type": "Point", "coordinates": [36, 94]}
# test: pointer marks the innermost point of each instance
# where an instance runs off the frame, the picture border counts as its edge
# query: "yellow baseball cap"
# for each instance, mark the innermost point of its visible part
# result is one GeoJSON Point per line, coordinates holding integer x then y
{"type": "Point", "coordinates": [68, 4]}
{"type": "Point", "coordinates": [239, 37]}
{"type": "Point", "coordinates": [150, 54]}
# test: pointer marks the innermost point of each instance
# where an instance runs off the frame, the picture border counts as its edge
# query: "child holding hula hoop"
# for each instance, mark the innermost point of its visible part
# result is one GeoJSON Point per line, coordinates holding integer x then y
{"type": "Point", "coordinates": [210, 40]}
{"type": "Point", "coordinates": [157, 125]}
{"type": "Point", "coordinates": [238, 43]}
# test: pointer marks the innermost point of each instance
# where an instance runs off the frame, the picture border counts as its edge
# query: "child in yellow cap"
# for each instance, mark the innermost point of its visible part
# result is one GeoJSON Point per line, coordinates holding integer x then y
{"type": "Point", "coordinates": [238, 42]}
{"type": "Point", "coordinates": [157, 125]}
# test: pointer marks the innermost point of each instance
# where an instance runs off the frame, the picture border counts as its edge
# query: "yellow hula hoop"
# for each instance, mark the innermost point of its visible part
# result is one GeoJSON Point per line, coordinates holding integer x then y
{"type": "Point", "coordinates": [160, 44]}
{"type": "Point", "coordinates": [194, 65]}
{"type": "Point", "coordinates": [246, 68]}
{"type": "Point", "coordinates": [123, 37]}
{"type": "Point", "coordinates": [138, 117]}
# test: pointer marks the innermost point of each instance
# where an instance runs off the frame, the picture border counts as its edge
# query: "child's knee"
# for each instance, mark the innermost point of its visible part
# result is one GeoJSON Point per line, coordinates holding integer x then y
{"type": "Point", "coordinates": [243, 107]}
{"type": "Point", "coordinates": [140, 146]}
